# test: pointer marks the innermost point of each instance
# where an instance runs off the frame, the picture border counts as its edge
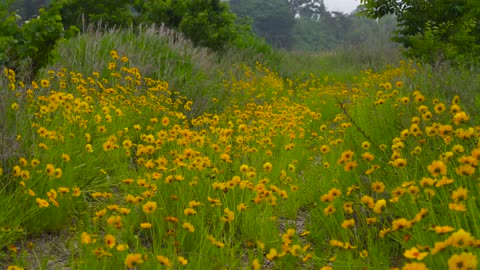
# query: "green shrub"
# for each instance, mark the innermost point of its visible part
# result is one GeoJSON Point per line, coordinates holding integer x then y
{"type": "Point", "coordinates": [208, 23]}
{"type": "Point", "coordinates": [29, 45]}
{"type": "Point", "coordinates": [81, 13]}
{"type": "Point", "coordinates": [447, 31]}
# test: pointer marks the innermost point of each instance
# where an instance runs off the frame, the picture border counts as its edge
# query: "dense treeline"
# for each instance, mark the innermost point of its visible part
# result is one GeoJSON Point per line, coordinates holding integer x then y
{"type": "Point", "coordinates": [30, 41]}
{"type": "Point", "coordinates": [298, 25]}
{"type": "Point", "coordinates": [301, 25]}
{"type": "Point", "coordinates": [307, 25]}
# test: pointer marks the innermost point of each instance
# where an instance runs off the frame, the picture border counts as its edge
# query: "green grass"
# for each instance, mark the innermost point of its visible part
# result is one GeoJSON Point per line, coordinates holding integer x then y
{"type": "Point", "coordinates": [198, 150]}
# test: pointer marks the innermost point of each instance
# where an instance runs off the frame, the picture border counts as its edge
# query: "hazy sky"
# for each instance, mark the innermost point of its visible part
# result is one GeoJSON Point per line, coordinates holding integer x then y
{"type": "Point", "coordinates": [345, 6]}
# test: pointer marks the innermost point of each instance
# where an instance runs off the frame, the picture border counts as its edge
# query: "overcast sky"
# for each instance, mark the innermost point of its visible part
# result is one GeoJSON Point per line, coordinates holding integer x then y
{"type": "Point", "coordinates": [345, 6]}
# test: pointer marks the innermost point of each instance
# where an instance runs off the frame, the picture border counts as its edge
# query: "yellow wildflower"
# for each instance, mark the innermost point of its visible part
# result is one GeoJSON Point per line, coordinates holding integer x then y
{"type": "Point", "coordinates": [414, 253]}
{"type": "Point", "coordinates": [463, 261]}
{"type": "Point", "coordinates": [131, 260]}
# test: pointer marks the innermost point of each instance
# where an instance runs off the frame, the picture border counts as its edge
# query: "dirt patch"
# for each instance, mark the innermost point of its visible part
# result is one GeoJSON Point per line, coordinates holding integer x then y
{"type": "Point", "coordinates": [49, 251]}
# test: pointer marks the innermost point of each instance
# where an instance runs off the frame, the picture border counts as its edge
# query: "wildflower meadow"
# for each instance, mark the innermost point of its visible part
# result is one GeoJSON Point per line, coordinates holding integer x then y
{"type": "Point", "coordinates": [278, 173]}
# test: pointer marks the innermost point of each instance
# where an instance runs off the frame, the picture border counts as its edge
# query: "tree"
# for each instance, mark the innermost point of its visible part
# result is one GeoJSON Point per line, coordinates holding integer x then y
{"type": "Point", "coordinates": [272, 19]}
{"type": "Point", "coordinates": [29, 45]}
{"type": "Point", "coordinates": [208, 23]}
{"type": "Point", "coordinates": [314, 35]}
{"type": "Point", "coordinates": [312, 9]}
{"type": "Point", "coordinates": [168, 12]}
{"type": "Point", "coordinates": [368, 30]}
{"type": "Point", "coordinates": [81, 13]}
{"type": "Point", "coordinates": [433, 30]}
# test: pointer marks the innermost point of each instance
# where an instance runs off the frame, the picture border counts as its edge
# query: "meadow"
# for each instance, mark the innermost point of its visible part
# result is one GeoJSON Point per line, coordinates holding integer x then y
{"type": "Point", "coordinates": [143, 153]}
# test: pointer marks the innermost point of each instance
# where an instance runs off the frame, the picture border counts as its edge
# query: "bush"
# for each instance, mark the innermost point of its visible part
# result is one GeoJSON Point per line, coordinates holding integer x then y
{"type": "Point", "coordinates": [29, 44]}
{"type": "Point", "coordinates": [81, 13]}
{"type": "Point", "coordinates": [208, 23]}
{"type": "Point", "coordinates": [447, 31]}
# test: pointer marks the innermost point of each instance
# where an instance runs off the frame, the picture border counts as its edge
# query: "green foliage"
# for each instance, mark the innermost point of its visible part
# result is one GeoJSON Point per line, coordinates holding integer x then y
{"type": "Point", "coordinates": [444, 31]}
{"type": "Point", "coordinates": [325, 32]}
{"type": "Point", "coordinates": [306, 25]}
{"type": "Point", "coordinates": [273, 19]}
{"type": "Point", "coordinates": [81, 13]}
{"type": "Point", "coordinates": [246, 38]}
{"type": "Point", "coordinates": [168, 12]}
{"type": "Point", "coordinates": [164, 54]}
{"type": "Point", "coordinates": [29, 43]}
{"type": "Point", "coordinates": [312, 35]}
{"type": "Point", "coordinates": [436, 44]}
{"type": "Point", "coordinates": [208, 23]}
